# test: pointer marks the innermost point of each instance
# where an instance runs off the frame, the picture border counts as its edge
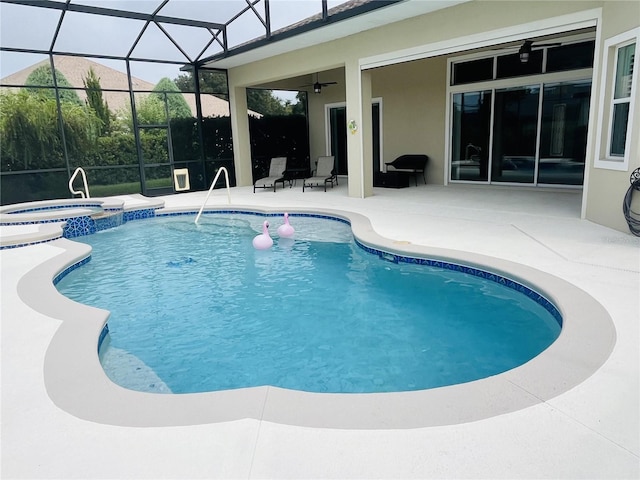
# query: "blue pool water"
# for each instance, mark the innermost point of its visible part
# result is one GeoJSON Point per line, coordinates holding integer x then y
{"type": "Point", "coordinates": [197, 308]}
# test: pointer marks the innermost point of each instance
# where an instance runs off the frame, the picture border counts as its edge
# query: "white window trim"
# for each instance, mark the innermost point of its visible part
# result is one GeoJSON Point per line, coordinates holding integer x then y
{"type": "Point", "coordinates": [605, 103]}
{"type": "Point", "coordinates": [537, 80]}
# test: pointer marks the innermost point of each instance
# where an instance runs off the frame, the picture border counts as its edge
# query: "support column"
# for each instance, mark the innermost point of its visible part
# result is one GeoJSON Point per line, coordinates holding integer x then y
{"type": "Point", "coordinates": [367, 135]}
{"type": "Point", "coordinates": [359, 130]}
{"type": "Point", "coordinates": [241, 137]}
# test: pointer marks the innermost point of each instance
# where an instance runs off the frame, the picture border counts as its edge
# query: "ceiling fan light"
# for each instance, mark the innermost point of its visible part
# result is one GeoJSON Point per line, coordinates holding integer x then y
{"type": "Point", "coordinates": [525, 51]}
{"type": "Point", "coordinates": [317, 87]}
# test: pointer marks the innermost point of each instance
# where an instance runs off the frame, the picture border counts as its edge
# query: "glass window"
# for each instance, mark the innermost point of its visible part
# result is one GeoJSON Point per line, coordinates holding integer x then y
{"type": "Point", "coordinates": [472, 71]}
{"type": "Point", "coordinates": [510, 65]}
{"type": "Point", "coordinates": [514, 134]}
{"type": "Point", "coordinates": [470, 139]}
{"type": "Point", "coordinates": [623, 77]}
{"type": "Point", "coordinates": [570, 57]}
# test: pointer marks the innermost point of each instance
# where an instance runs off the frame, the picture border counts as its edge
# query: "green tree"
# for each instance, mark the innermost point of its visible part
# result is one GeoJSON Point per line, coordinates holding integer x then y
{"type": "Point", "coordinates": [43, 77]}
{"type": "Point", "coordinates": [214, 82]}
{"type": "Point", "coordinates": [29, 133]}
{"type": "Point", "coordinates": [300, 107]}
{"type": "Point", "coordinates": [149, 111]}
{"type": "Point", "coordinates": [264, 102]}
{"type": "Point", "coordinates": [176, 104]}
{"type": "Point", "coordinates": [95, 100]}
{"type": "Point", "coordinates": [259, 100]}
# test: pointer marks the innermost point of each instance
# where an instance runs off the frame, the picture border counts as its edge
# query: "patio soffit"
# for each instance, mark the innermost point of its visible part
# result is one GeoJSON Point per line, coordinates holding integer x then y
{"type": "Point", "coordinates": [314, 30]}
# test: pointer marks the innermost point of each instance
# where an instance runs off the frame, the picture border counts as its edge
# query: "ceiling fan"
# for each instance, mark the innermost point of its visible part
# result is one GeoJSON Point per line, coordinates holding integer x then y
{"type": "Point", "coordinates": [317, 86]}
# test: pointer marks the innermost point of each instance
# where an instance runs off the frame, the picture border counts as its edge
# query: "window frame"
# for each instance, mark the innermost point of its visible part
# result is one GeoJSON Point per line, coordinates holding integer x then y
{"type": "Point", "coordinates": [603, 158]}
{"type": "Point", "coordinates": [543, 79]}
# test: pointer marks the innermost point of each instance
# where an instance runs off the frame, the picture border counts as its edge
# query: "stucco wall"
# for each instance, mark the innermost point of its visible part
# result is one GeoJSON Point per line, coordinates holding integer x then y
{"type": "Point", "coordinates": [413, 107]}
{"type": "Point", "coordinates": [413, 111]}
{"type": "Point", "coordinates": [414, 92]}
{"type": "Point", "coordinates": [330, 95]}
{"type": "Point", "coordinates": [606, 188]}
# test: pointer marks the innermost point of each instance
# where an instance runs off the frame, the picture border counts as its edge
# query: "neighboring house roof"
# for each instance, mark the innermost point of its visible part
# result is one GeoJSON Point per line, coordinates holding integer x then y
{"type": "Point", "coordinates": [75, 70]}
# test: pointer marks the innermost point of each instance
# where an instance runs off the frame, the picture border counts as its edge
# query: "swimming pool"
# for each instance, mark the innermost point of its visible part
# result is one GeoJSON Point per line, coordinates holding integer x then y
{"type": "Point", "coordinates": [75, 380]}
{"type": "Point", "coordinates": [322, 313]}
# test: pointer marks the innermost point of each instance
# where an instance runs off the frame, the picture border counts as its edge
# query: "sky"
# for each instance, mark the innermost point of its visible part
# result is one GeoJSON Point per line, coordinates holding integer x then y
{"type": "Point", "coordinates": [34, 28]}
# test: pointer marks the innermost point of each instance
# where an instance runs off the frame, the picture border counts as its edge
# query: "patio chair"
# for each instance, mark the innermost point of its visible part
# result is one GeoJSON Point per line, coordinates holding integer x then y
{"type": "Point", "coordinates": [324, 174]}
{"type": "Point", "coordinates": [276, 174]}
{"type": "Point", "coordinates": [411, 165]}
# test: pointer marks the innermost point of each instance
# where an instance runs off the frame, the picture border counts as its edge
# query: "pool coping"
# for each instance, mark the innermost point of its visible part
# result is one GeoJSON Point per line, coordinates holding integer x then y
{"type": "Point", "coordinates": [55, 219]}
{"type": "Point", "coordinates": [76, 383]}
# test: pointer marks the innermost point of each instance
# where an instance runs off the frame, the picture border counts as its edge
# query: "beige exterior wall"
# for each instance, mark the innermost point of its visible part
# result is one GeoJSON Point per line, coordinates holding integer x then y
{"type": "Point", "coordinates": [606, 188]}
{"type": "Point", "coordinates": [333, 94]}
{"type": "Point", "coordinates": [413, 110]}
{"type": "Point", "coordinates": [407, 66]}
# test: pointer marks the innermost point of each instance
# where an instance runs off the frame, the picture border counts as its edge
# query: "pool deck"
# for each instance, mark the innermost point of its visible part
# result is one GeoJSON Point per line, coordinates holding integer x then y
{"type": "Point", "coordinates": [590, 431]}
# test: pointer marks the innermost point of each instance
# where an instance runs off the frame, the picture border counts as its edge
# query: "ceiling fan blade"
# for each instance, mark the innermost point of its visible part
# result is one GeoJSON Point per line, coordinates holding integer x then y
{"type": "Point", "coordinates": [538, 46]}
{"type": "Point", "coordinates": [529, 45]}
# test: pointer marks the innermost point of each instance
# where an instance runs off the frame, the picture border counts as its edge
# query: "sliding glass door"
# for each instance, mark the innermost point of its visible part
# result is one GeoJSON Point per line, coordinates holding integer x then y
{"type": "Point", "coordinates": [515, 128]}
{"type": "Point", "coordinates": [563, 133]}
{"type": "Point", "coordinates": [532, 134]}
{"type": "Point", "coordinates": [471, 129]}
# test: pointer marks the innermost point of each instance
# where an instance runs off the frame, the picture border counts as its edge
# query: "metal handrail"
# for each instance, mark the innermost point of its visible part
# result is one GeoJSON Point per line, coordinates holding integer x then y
{"type": "Point", "coordinates": [226, 176]}
{"type": "Point", "coordinates": [84, 181]}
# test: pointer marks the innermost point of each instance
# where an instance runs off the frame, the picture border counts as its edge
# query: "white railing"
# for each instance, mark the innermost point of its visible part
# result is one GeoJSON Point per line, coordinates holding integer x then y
{"type": "Point", "coordinates": [213, 184]}
{"type": "Point", "coordinates": [84, 194]}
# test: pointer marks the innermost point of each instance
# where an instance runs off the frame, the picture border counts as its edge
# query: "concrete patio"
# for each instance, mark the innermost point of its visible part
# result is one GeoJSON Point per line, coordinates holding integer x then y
{"type": "Point", "coordinates": [591, 431]}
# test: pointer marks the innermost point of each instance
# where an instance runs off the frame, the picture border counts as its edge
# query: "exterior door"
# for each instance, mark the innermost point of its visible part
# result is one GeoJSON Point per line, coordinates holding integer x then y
{"type": "Point", "coordinates": [338, 136]}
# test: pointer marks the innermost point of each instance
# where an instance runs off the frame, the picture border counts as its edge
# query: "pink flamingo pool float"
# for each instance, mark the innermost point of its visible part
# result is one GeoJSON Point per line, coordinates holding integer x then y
{"type": "Point", "coordinates": [263, 241]}
{"type": "Point", "coordinates": [286, 230]}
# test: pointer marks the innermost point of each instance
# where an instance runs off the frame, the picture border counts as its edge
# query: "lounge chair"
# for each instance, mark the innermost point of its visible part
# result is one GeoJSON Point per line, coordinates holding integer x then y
{"type": "Point", "coordinates": [324, 174]}
{"type": "Point", "coordinates": [276, 174]}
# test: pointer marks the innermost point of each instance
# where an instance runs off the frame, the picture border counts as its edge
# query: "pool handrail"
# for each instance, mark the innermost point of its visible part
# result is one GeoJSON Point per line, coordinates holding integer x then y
{"type": "Point", "coordinates": [84, 194]}
{"type": "Point", "coordinates": [215, 180]}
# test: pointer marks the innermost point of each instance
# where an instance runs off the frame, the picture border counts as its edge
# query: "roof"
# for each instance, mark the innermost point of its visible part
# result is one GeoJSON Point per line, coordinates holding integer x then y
{"type": "Point", "coordinates": [114, 83]}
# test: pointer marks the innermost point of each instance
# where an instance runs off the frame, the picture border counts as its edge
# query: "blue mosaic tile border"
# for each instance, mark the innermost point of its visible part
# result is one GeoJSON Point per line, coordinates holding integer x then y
{"type": "Point", "coordinates": [79, 226]}
{"type": "Point", "coordinates": [19, 245]}
{"type": "Point", "coordinates": [111, 221]}
{"type": "Point", "coordinates": [257, 214]}
{"type": "Point", "coordinates": [37, 222]}
{"type": "Point", "coordinates": [105, 330]}
{"type": "Point", "coordinates": [103, 335]}
{"type": "Point", "coordinates": [56, 207]}
{"type": "Point", "coordinates": [139, 214]}
{"type": "Point", "coordinates": [70, 269]}
{"type": "Point", "coordinates": [476, 272]}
